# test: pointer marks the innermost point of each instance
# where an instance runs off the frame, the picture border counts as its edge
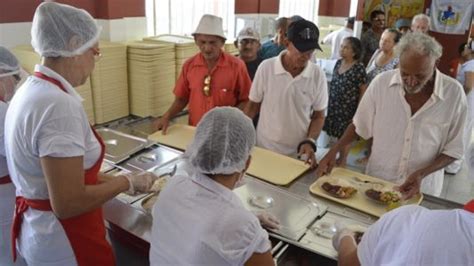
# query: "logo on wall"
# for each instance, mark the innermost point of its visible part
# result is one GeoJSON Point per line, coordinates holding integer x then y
{"type": "Point", "coordinates": [451, 17]}
{"type": "Point", "coordinates": [448, 17]}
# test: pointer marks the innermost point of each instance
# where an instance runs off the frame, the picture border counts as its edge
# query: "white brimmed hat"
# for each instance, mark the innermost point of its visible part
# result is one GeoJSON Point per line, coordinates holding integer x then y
{"type": "Point", "coordinates": [210, 25]}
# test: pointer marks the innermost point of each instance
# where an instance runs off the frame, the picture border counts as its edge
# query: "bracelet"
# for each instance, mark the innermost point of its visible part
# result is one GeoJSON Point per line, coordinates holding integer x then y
{"type": "Point", "coordinates": [306, 141]}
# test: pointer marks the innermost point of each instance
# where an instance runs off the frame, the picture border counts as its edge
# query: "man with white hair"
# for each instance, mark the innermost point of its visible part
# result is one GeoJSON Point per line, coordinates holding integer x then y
{"type": "Point", "coordinates": [415, 115]}
{"type": "Point", "coordinates": [210, 78]}
{"type": "Point", "coordinates": [420, 23]}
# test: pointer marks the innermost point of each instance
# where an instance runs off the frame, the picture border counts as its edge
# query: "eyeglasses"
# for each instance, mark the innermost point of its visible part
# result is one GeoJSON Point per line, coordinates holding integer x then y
{"type": "Point", "coordinates": [307, 34]}
{"type": "Point", "coordinates": [97, 54]}
{"type": "Point", "coordinates": [379, 19]}
{"type": "Point", "coordinates": [207, 86]}
{"type": "Point", "coordinates": [247, 41]}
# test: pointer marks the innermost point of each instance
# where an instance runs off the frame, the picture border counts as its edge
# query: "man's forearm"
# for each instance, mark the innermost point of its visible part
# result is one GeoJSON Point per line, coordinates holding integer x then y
{"type": "Point", "coordinates": [177, 106]}
{"type": "Point", "coordinates": [440, 162]}
{"type": "Point", "coordinates": [315, 126]}
{"type": "Point", "coordinates": [242, 105]}
{"type": "Point", "coordinates": [251, 109]}
{"type": "Point", "coordinates": [347, 138]}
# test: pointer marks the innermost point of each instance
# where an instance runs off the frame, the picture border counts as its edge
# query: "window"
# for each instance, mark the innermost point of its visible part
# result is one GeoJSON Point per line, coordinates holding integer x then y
{"type": "Point", "coordinates": [181, 17]}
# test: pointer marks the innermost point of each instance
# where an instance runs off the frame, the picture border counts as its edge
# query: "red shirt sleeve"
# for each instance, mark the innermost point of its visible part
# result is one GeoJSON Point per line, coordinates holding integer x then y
{"type": "Point", "coordinates": [181, 89]}
{"type": "Point", "coordinates": [243, 83]}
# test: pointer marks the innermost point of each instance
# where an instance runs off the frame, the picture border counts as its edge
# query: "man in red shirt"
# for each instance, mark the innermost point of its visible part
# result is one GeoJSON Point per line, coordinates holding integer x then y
{"type": "Point", "coordinates": [210, 78]}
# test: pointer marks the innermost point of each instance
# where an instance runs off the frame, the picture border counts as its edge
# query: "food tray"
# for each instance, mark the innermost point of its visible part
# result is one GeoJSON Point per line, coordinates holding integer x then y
{"type": "Point", "coordinates": [359, 201]}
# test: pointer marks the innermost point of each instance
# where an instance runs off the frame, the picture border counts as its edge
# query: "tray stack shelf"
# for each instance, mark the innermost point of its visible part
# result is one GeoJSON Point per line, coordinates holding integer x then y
{"type": "Point", "coordinates": [151, 73]}
{"type": "Point", "coordinates": [110, 84]}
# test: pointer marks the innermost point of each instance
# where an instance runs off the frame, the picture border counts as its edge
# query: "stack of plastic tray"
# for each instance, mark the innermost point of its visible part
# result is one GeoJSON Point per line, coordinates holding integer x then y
{"type": "Point", "coordinates": [109, 83]}
{"type": "Point", "coordinates": [151, 73]}
{"type": "Point", "coordinates": [29, 58]}
{"type": "Point", "coordinates": [184, 48]}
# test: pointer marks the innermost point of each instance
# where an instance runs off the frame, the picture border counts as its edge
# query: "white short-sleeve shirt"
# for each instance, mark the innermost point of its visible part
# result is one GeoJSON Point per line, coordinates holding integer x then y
{"type": "Point", "coordinates": [286, 103]}
{"type": "Point", "coordinates": [414, 235]}
{"type": "Point", "coordinates": [403, 143]}
{"type": "Point", "coordinates": [466, 67]}
{"type": "Point", "coordinates": [335, 39]}
{"type": "Point", "coordinates": [42, 120]}
{"type": "Point", "coordinates": [197, 221]}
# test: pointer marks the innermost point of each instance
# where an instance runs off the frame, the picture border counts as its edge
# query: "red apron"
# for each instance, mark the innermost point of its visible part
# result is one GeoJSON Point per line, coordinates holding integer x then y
{"type": "Point", "coordinates": [5, 180]}
{"type": "Point", "coordinates": [85, 232]}
{"type": "Point", "coordinates": [469, 206]}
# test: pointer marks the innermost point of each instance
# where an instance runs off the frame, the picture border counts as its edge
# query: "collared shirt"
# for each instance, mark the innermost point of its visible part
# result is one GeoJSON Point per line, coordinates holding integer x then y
{"type": "Point", "coordinates": [286, 103]}
{"type": "Point", "coordinates": [404, 143]}
{"type": "Point", "coordinates": [230, 84]}
{"type": "Point", "coordinates": [270, 49]}
{"type": "Point", "coordinates": [335, 39]}
{"type": "Point", "coordinates": [466, 67]}
{"type": "Point", "coordinates": [370, 43]}
{"type": "Point", "coordinates": [414, 235]}
{"type": "Point", "coordinates": [197, 221]}
{"type": "Point", "coordinates": [42, 120]}
{"type": "Point", "coordinates": [252, 66]}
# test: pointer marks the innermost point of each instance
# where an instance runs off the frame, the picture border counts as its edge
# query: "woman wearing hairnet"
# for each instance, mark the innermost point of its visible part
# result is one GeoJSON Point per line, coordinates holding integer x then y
{"type": "Point", "coordinates": [54, 155]}
{"type": "Point", "coordinates": [198, 219]}
{"type": "Point", "coordinates": [9, 78]}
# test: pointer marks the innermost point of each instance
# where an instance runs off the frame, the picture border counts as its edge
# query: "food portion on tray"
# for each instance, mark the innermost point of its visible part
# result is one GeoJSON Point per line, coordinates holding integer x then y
{"type": "Point", "coordinates": [339, 188]}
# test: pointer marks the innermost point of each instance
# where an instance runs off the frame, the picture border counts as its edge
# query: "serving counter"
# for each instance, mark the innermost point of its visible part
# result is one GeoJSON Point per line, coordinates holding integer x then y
{"type": "Point", "coordinates": [307, 220]}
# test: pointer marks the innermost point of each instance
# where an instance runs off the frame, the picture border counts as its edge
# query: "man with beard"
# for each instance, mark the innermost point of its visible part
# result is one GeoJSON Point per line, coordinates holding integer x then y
{"type": "Point", "coordinates": [415, 115]}
{"type": "Point", "coordinates": [210, 78]}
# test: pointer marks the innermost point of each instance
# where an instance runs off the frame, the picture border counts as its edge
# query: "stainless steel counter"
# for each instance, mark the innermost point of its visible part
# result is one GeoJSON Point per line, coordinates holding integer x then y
{"type": "Point", "coordinates": [135, 221]}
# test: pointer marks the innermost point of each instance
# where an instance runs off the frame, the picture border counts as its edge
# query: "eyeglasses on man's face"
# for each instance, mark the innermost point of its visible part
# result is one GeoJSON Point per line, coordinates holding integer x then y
{"type": "Point", "coordinates": [97, 54]}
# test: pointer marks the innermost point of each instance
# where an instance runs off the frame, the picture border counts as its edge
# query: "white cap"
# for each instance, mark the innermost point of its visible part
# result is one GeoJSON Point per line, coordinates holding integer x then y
{"type": "Point", "coordinates": [248, 33]}
{"type": "Point", "coordinates": [210, 25]}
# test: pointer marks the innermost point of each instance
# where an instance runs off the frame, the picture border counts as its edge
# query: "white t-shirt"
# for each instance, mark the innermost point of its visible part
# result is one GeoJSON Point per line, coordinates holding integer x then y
{"type": "Point", "coordinates": [404, 143]}
{"type": "Point", "coordinates": [466, 67]}
{"type": "Point", "coordinates": [414, 235]}
{"type": "Point", "coordinates": [197, 221]}
{"type": "Point", "coordinates": [42, 120]}
{"type": "Point", "coordinates": [286, 104]}
{"type": "Point", "coordinates": [335, 39]}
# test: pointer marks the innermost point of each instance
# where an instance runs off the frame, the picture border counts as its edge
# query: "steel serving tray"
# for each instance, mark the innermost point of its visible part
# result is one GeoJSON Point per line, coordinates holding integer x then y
{"type": "Point", "coordinates": [152, 157]}
{"type": "Point", "coordinates": [119, 146]}
{"type": "Point", "coordinates": [294, 212]}
{"type": "Point", "coordinates": [319, 241]}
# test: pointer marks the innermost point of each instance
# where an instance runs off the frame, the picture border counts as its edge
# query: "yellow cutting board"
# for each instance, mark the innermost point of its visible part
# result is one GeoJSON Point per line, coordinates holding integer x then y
{"type": "Point", "coordinates": [177, 136]}
{"type": "Point", "coordinates": [359, 201]}
{"type": "Point", "coordinates": [267, 165]}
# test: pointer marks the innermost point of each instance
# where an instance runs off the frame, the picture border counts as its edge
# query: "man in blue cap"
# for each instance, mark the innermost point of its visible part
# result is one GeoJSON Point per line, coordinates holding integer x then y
{"type": "Point", "coordinates": [292, 95]}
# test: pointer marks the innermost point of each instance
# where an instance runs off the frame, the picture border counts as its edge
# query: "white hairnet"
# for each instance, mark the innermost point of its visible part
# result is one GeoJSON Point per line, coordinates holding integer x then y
{"type": "Point", "coordinates": [62, 30]}
{"type": "Point", "coordinates": [223, 141]}
{"type": "Point", "coordinates": [8, 63]}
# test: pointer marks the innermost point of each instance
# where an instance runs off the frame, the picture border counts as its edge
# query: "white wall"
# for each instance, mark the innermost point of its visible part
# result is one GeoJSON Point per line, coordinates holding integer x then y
{"type": "Point", "coordinates": [115, 30]}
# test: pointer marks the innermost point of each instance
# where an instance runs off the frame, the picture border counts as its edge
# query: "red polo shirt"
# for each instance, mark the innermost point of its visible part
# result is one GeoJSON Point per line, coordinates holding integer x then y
{"type": "Point", "coordinates": [230, 84]}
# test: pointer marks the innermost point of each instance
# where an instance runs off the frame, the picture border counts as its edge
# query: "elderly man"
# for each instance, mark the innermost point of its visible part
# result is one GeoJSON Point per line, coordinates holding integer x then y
{"type": "Point", "coordinates": [420, 23]}
{"type": "Point", "coordinates": [248, 43]}
{"type": "Point", "coordinates": [292, 94]}
{"type": "Point", "coordinates": [274, 46]}
{"type": "Point", "coordinates": [335, 38]}
{"type": "Point", "coordinates": [210, 78]}
{"type": "Point", "coordinates": [370, 39]}
{"type": "Point", "coordinates": [415, 115]}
